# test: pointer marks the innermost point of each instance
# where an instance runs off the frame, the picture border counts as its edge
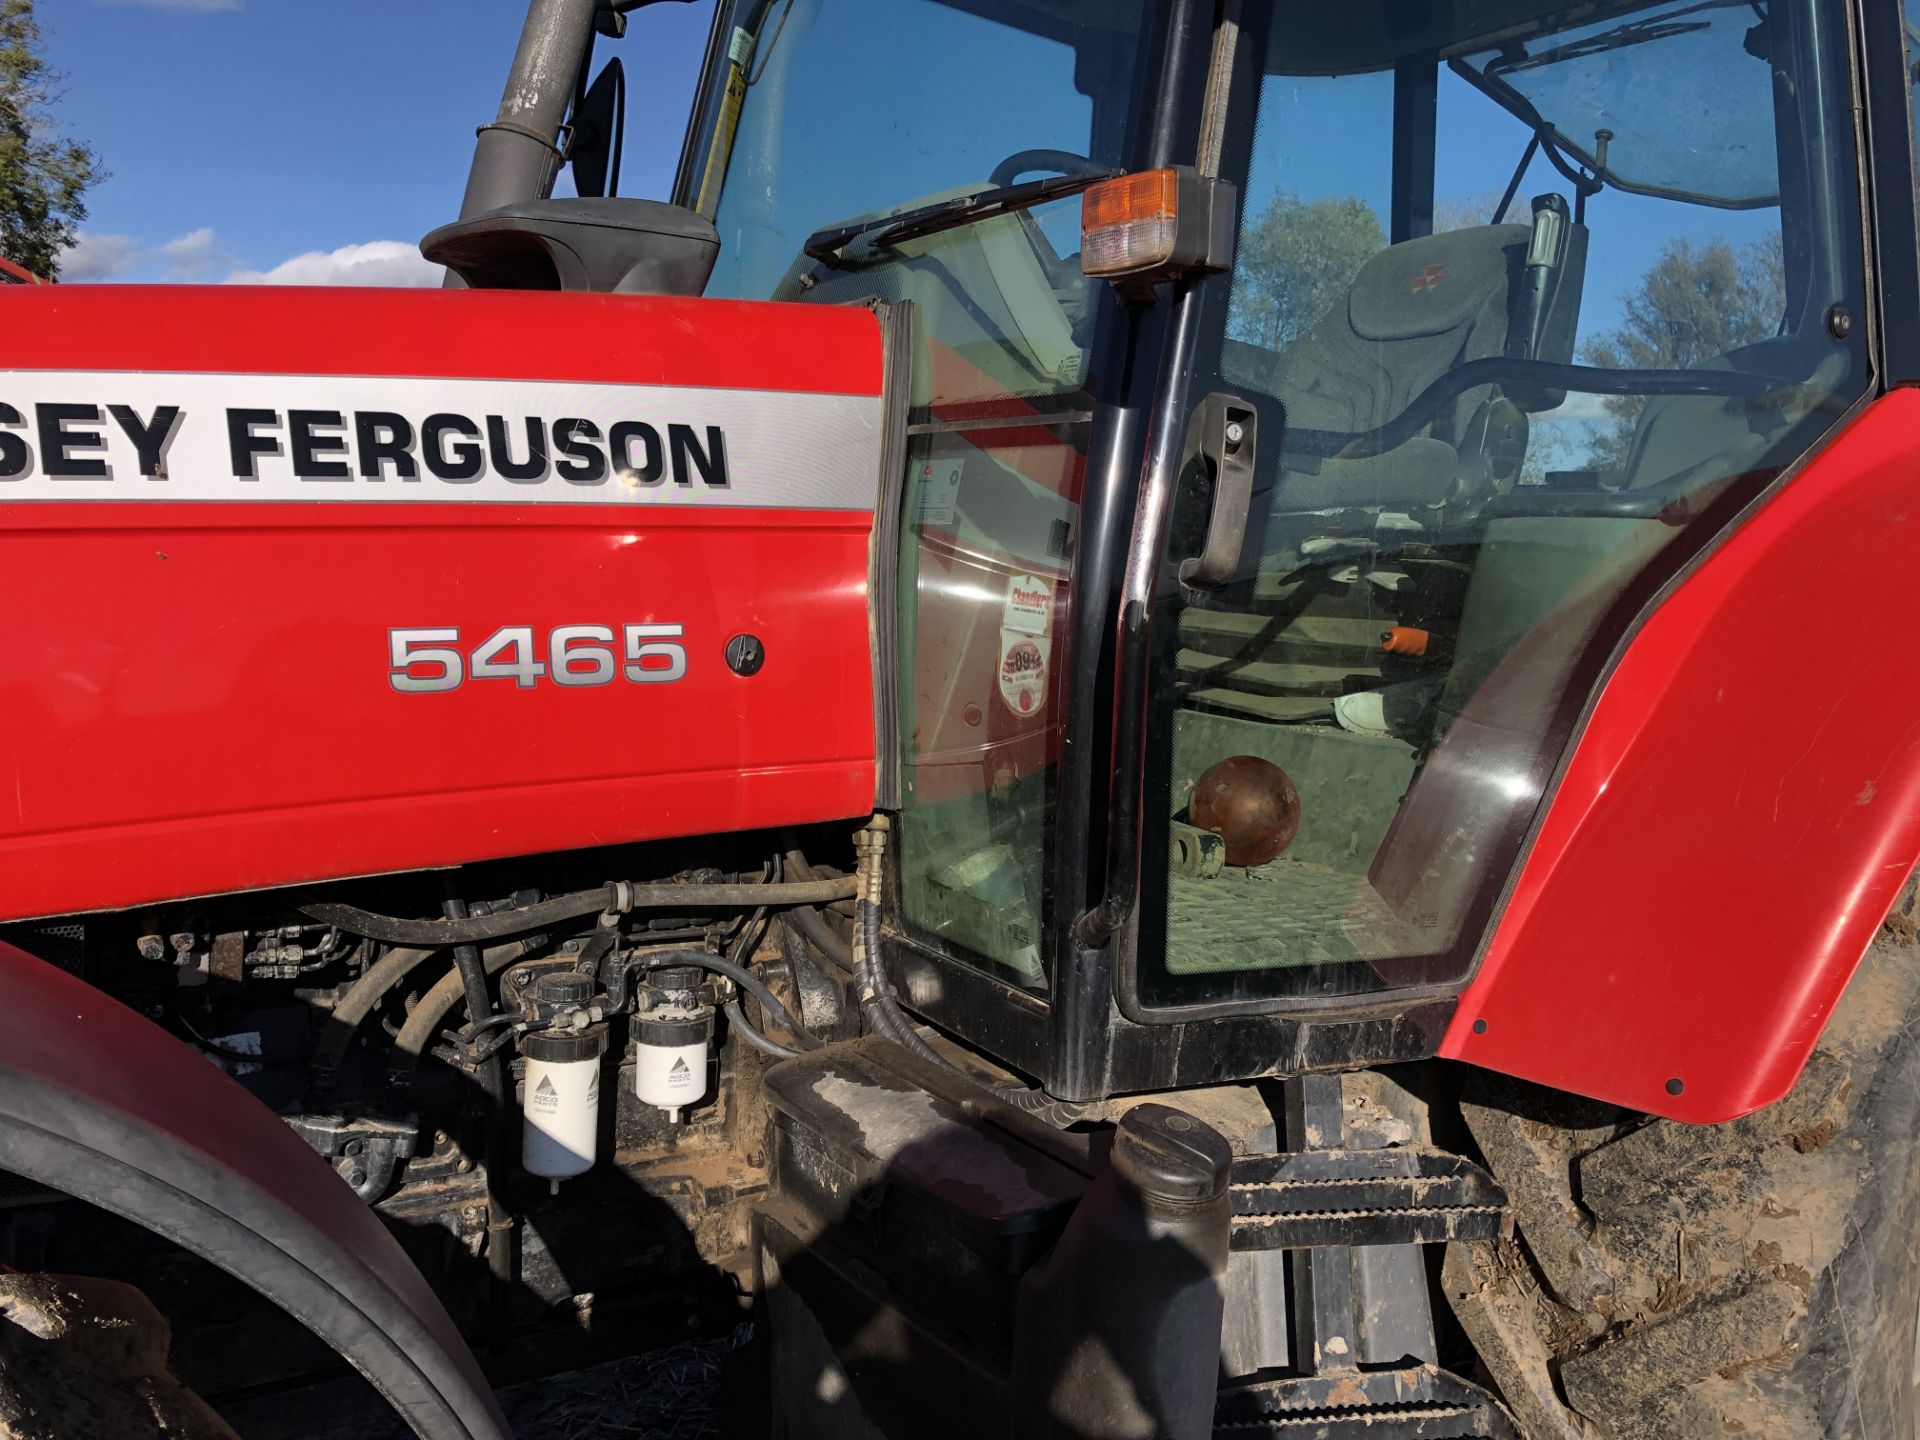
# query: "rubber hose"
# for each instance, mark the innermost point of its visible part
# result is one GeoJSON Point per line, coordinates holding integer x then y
{"type": "Point", "coordinates": [814, 929]}
{"type": "Point", "coordinates": [796, 863]}
{"type": "Point", "coordinates": [359, 1002]}
{"type": "Point", "coordinates": [900, 1028]}
{"type": "Point", "coordinates": [434, 1007]}
{"type": "Point", "coordinates": [740, 976]}
{"type": "Point", "coordinates": [884, 1010]}
{"type": "Point", "coordinates": [737, 1018]}
{"type": "Point", "coordinates": [395, 930]}
{"type": "Point", "coordinates": [473, 975]}
{"type": "Point", "coordinates": [491, 1076]}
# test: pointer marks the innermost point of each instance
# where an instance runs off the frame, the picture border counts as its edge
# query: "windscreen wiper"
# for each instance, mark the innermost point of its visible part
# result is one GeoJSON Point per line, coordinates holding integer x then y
{"type": "Point", "coordinates": [829, 246]}
{"type": "Point", "coordinates": [1636, 32]}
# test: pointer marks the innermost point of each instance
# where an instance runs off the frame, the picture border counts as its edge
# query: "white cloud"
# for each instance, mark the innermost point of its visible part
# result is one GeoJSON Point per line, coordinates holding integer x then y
{"type": "Point", "coordinates": [194, 256]}
{"type": "Point", "coordinates": [197, 257]}
{"type": "Point", "coordinates": [98, 257]}
{"type": "Point", "coordinates": [378, 262]}
{"type": "Point", "coordinates": [1580, 409]}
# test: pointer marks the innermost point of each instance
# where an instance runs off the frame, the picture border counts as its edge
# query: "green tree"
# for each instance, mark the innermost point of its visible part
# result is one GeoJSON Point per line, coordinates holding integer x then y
{"type": "Point", "coordinates": [1696, 302]}
{"type": "Point", "coordinates": [43, 179]}
{"type": "Point", "coordinates": [1295, 264]}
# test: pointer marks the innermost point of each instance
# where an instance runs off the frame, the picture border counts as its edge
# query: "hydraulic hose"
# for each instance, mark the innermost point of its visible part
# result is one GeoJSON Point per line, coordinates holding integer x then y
{"type": "Point", "coordinates": [616, 897]}
{"type": "Point", "coordinates": [473, 974]}
{"type": "Point", "coordinates": [737, 1018]}
{"type": "Point", "coordinates": [893, 1020]}
{"type": "Point", "coordinates": [741, 976]}
{"type": "Point", "coordinates": [491, 1075]}
{"type": "Point", "coordinates": [883, 1011]}
{"type": "Point", "coordinates": [434, 1007]}
{"type": "Point", "coordinates": [814, 929]}
{"type": "Point", "coordinates": [359, 1002]}
{"type": "Point", "coordinates": [799, 867]}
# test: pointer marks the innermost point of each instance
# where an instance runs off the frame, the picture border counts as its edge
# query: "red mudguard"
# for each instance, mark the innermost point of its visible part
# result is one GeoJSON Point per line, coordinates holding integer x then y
{"type": "Point", "coordinates": [1738, 815]}
{"type": "Point", "coordinates": [310, 584]}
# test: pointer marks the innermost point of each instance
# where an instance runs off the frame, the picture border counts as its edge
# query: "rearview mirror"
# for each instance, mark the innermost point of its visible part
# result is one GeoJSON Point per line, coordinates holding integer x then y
{"type": "Point", "coordinates": [599, 119]}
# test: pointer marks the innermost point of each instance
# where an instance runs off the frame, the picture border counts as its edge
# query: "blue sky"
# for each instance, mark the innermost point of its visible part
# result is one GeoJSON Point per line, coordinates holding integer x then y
{"type": "Point", "coordinates": [243, 135]}
{"type": "Point", "coordinates": [317, 140]}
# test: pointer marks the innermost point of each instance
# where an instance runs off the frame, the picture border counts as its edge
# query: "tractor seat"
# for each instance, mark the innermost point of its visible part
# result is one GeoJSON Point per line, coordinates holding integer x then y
{"type": "Point", "coordinates": [1415, 311]}
{"type": "Point", "coordinates": [1304, 626]}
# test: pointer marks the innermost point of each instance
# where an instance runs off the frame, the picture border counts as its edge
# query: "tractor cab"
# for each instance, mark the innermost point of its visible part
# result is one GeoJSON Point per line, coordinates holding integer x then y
{"type": "Point", "coordinates": [1525, 303]}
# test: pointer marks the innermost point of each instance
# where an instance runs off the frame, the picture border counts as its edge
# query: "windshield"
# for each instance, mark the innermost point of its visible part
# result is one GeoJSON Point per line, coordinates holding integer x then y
{"type": "Point", "coordinates": [827, 113]}
{"type": "Point", "coordinates": [841, 110]}
{"type": "Point", "coordinates": [1632, 98]}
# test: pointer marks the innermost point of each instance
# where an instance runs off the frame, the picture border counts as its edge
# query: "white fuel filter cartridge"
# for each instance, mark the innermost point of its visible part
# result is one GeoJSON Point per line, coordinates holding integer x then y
{"type": "Point", "coordinates": [560, 1101]}
{"type": "Point", "coordinates": [670, 1059]}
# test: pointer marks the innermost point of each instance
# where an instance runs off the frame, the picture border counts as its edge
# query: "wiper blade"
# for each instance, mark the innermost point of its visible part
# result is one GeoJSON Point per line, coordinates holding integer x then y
{"type": "Point", "coordinates": [829, 246]}
{"type": "Point", "coordinates": [1635, 32]}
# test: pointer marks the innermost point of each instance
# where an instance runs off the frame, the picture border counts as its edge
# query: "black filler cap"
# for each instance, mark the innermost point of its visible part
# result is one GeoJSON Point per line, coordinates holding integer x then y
{"type": "Point", "coordinates": [1168, 1155]}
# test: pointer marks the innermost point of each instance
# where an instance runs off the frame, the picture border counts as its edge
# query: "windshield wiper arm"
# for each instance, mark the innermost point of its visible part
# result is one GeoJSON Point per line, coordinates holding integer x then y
{"type": "Point", "coordinates": [829, 246]}
{"type": "Point", "coordinates": [1634, 32]}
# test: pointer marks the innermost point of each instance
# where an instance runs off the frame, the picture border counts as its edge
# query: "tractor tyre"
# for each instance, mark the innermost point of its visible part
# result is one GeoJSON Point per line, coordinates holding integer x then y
{"type": "Point", "coordinates": [1757, 1278]}
{"type": "Point", "coordinates": [86, 1359]}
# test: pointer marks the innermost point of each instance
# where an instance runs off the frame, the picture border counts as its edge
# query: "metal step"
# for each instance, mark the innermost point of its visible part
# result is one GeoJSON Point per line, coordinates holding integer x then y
{"type": "Point", "coordinates": [1418, 1403]}
{"type": "Point", "coordinates": [1403, 1195]}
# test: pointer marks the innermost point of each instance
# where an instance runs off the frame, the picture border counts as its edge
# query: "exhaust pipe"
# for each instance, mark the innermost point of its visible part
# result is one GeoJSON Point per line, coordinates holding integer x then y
{"type": "Point", "coordinates": [517, 156]}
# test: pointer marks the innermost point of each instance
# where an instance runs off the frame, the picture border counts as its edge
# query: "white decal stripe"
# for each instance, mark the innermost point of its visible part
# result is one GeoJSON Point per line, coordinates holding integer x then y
{"type": "Point", "coordinates": [771, 449]}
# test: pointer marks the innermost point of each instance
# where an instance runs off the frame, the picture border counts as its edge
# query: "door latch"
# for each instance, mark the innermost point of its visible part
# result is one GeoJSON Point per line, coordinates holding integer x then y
{"type": "Point", "coordinates": [1222, 432]}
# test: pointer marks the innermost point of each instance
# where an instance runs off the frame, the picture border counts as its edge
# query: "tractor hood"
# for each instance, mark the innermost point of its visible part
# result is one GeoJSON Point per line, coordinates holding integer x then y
{"type": "Point", "coordinates": [312, 584]}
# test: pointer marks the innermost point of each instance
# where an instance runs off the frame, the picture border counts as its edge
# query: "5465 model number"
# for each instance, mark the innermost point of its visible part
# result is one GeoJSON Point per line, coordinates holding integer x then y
{"type": "Point", "coordinates": [425, 662]}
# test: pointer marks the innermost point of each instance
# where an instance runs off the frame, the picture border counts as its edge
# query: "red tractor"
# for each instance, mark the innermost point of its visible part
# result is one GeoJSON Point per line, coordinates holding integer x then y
{"type": "Point", "coordinates": [1189, 720]}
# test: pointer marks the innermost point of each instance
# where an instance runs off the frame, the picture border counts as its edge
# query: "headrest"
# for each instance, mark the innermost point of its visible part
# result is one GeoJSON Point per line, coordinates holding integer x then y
{"type": "Point", "coordinates": [1433, 284]}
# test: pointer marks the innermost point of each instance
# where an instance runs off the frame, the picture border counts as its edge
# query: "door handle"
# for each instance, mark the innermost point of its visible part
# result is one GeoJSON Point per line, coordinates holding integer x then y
{"type": "Point", "coordinates": [1222, 432]}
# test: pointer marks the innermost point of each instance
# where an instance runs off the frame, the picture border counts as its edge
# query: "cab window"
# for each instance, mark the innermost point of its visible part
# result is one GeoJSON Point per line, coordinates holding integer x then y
{"type": "Point", "coordinates": [951, 99]}
{"type": "Point", "coordinates": [1526, 316]}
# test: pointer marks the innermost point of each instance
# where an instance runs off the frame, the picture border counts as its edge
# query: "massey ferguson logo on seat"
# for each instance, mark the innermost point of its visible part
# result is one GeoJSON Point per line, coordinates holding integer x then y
{"type": "Point", "coordinates": [1431, 278]}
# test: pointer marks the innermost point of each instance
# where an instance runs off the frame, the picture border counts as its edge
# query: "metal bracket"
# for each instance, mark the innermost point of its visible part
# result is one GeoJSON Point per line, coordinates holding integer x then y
{"type": "Point", "coordinates": [364, 1152]}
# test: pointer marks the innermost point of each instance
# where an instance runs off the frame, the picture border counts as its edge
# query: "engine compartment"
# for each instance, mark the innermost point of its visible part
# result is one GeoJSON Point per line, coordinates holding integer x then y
{"type": "Point", "coordinates": [358, 1047]}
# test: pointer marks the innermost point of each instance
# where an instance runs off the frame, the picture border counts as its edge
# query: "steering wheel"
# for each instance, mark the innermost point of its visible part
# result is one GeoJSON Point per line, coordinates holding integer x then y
{"type": "Point", "coordinates": [1060, 162]}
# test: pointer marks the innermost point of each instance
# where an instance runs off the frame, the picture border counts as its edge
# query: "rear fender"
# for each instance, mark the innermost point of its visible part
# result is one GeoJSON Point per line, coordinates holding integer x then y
{"type": "Point", "coordinates": [1737, 816]}
{"type": "Point", "coordinates": [99, 1103]}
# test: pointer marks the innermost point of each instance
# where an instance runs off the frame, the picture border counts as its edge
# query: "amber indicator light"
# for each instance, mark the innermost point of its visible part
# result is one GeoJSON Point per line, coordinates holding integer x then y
{"type": "Point", "coordinates": [1129, 223]}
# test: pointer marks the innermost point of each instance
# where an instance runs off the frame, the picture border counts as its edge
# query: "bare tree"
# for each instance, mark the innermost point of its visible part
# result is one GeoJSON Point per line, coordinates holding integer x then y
{"type": "Point", "coordinates": [1696, 302]}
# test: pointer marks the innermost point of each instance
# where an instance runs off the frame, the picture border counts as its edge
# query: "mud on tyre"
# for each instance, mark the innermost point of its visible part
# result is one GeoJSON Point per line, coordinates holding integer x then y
{"type": "Point", "coordinates": [1757, 1278]}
